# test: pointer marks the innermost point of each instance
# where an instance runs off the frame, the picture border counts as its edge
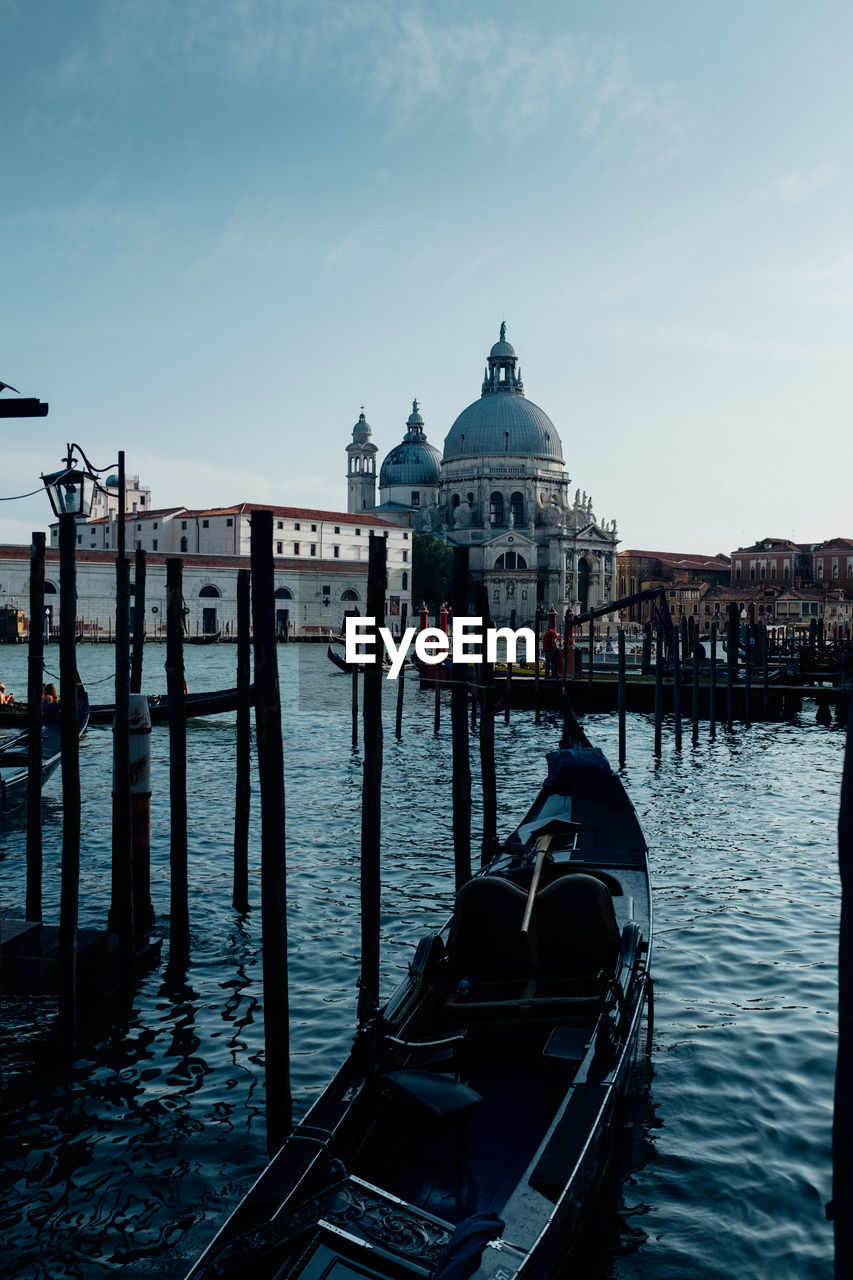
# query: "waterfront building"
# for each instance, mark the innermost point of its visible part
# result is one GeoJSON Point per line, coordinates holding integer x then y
{"type": "Point", "coordinates": [320, 557]}
{"type": "Point", "coordinates": [501, 488]}
{"type": "Point", "coordinates": [795, 563]}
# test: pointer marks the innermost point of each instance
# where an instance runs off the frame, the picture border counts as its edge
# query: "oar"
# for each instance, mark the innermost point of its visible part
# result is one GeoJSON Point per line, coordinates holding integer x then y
{"type": "Point", "coordinates": [541, 847]}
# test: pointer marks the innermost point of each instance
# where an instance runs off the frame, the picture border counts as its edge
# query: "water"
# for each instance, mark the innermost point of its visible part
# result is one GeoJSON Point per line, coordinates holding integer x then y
{"type": "Point", "coordinates": [128, 1164]}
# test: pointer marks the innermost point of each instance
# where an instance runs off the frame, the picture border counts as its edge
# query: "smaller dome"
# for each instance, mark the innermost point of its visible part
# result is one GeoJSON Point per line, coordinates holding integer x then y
{"type": "Point", "coordinates": [502, 351]}
{"type": "Point", "coordinates": [414, 419]}
{"type": "Point", "coordinates": [112, 482]}
{"type": "Point", "coordinates": [361, 430]}
{"type": "Point", "coordinates": [414, 461]}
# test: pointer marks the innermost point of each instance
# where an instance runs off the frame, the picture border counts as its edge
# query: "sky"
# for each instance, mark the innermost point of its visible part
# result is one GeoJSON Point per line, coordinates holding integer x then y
{"type": "Point", "coordinates": [226, 225]}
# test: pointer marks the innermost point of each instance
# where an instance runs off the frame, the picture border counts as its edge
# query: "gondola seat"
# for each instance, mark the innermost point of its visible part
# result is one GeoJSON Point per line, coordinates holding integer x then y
{"type": "Point", "coordinates": [552, 972]}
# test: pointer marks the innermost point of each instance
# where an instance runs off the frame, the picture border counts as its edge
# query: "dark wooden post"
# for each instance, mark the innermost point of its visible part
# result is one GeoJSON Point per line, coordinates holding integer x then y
{"type": "Point", "coordinates": [436, 719]}
{"type": "Point", "coordinates": [695, 707]}
{"type": "Point", "coordinates": [487, 737]}
{"type": "Point", "coordinates": [712, 682]}
{"type": "Point", "coordinates": [355, 707]}
{"type": "Point", "coordinates": [69, 729]}
{"type": "Point", "coordinates": [765, 674]}
{"type": "Point", "coordinates": [536, 648]}
{"type": "Point", "coordinates": [242, 798]}
{"type": "Point", "coordinates": [676, 689]}
{"type": "Point", "coordinates": [279, 1104]}
{"type": "Point", "coordinates": [591, 672]}
{"type": "Point", "coordinates": [508, 695]}
{"type": "Point", "coordinates": [461, 763]}
{"type": "Point", "coordinates": [35, 682]}
{"type": "Point", "coordinates": [747, 676]}
{"type": "Point", "coordinates": [122, 843]}
{"type": "Point", "coordinates": [842, 1122]}
{"type": "Point", "coordinates": [620, 641]}
{"type": "Point", "coordinates": [658, 690]}
{"type": "Point", "coordinates": [179, 923]}
{"type": "Point", "coordinates": [371, 796]}
{"type": "Point", "coordinates": [138, 623]}
{"type": "Point", "coordinates": [731, 662]}
{"type": "Point", "coordinates": [646, 664]}
{"type": "Point", "coordinates": [401, 678]}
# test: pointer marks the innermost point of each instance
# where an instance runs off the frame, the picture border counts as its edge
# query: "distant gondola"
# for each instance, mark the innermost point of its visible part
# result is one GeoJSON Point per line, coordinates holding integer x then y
{"type": "Point", "coordinates": [212, 638]}
{"type": "Point", "coordinates": [211, 703]}
{"type": "Point", "coordinates": [471, 1125]}
{"type": "Point", "coordinates": [14, 753]}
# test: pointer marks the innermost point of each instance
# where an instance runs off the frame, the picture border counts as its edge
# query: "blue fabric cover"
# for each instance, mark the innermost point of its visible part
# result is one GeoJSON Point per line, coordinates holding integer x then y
{"type": "Point", "coordinates": [461, 1255]}
{"type": "Point", "coordinates": [562, 764]}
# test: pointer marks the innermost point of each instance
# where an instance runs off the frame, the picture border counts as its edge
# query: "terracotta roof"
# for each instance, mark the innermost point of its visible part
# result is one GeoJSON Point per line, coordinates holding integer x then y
{"type": "Point", "coordinates": [89, 555]}
{"type": "Point", "coordinates": [718, 561]}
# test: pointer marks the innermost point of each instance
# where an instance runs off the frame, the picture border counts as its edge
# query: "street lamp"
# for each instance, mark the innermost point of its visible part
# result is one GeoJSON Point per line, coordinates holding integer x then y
{"type": "Point", "coordinates": [72, 490]}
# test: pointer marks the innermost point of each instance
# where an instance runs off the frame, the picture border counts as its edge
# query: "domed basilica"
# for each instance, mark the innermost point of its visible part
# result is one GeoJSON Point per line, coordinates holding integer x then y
{"type": "Point", "coordinates": [501, 488]}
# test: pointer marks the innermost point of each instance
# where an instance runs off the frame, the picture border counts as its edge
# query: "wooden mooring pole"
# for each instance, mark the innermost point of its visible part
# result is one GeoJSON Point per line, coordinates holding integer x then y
{"type": "Point", "coordinates": [658, 690]}
{"type": "Point", "coordinates": [242, 796]}
{"type": "Point", "coordinates": [842, 1122]}
{"type": "Point", "coordinates": [620, 642]}
{"type": "Point", "coordinates": [371, 795]}
{"type": "Point", "coordinates": [69, 731]}
{"type": "Point", "coordinates": [279, 1104]}
{"type": "Point", "coordinates": [461, 762]}
{"type": "Point", "coordinates": [122, 843]}
{"type": "Point", "coordinates": [694, 709]}
{"type": "Point", "coordinates": [355, 708]}
{"type": "Point", "coordinates": [401, 679]}
{"type": "Point", "coordinates": [536, 648]}
{"type": "Point", "coordinates": [712, 683]}
{"type": "Point", "coordinates": [676, 688]}
{"type": "Point", "coordinates": [138, 622]}
{"type": "Point", "coordinates": [731, 663]}
{"type": "Point", "coordinates": [35, 682]}
{"type": "Point", "coordinates": [179, 922]}
{"type": "Point", "coordinates": [487, 737]}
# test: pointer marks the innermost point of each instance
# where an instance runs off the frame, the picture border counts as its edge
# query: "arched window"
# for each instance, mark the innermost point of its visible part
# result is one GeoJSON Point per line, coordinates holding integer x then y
{"type": "Point", "coordinates": [516, 506]}
{"type": "Point", "coordinates": [49, 588]}
{"type": "Point", "coordinates": [349, 594]}
{"type": "Point", "coordinates": [454, 501]}
{"type": "Point", "coordinates": [405, 581]}
{"type": "Point", "coordinates": [283, 593]}
{"type": "Point", "coordinates": [511, 560]}
{"type": "Point", "coordinates": [185, 544]}
{"type": "Point", "coordinates": [209, 591]}
{"type": "Point", "coordinates": [496, 508]}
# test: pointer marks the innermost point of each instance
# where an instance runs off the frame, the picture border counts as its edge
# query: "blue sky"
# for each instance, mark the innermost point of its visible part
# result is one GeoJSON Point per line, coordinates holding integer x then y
{"type": "Point", "coordinates": [227, 224]}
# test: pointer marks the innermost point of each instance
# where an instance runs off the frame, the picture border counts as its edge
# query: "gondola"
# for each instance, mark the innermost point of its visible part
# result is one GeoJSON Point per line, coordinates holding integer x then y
{"type": "Point", "coordinates": [14, 753]}
{"type": "Point", "coordinates": [341, 663]}
{"type": "Point", "coordinates": [470, 1127]}
{"type": "Point", "coordinates": [212, 703]}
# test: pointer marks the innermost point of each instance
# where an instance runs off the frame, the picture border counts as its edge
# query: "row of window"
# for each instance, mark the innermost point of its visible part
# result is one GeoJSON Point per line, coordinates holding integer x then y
{"type": "Point", "coordinates": [496, 506]}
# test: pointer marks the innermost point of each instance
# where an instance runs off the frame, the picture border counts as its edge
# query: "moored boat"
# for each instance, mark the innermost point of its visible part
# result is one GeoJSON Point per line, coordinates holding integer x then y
{"type": "Point", "coordinates": [14, 753]}
{"type": "Point", "coordinates": [204, 703]}
{"type": "Point", "coordinates": [471, 1125]}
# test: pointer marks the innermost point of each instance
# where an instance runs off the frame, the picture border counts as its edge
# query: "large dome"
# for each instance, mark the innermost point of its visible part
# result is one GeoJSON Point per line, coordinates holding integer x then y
{"type": "Point", "coordinates": [503, 424]}
{"type": "Point", "coordinates": [503, 420]}
{"type": "Point", "coordinates": [414, 461]}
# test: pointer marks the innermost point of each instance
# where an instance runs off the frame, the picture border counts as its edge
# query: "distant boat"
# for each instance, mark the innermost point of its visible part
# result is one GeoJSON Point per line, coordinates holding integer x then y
{"type": "Point", "coordinates": [213, 638]}
{"type": "Point", "coordinates": [211, 703]}
{"type": "Point", "coordinates": [15, 753]}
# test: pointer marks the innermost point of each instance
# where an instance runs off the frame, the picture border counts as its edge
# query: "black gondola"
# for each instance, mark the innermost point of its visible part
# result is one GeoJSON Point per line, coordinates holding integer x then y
{"type": "Point", "coordinates": [213, 702]}
{"type": "Point", "coordinates": [471, 1125]}
{"type": "Point", "coordinates": [14, 753]}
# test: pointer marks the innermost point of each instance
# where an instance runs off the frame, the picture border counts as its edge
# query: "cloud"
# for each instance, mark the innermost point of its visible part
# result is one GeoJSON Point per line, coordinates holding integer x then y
{"type": "Point", "coordinates": [798, 186]}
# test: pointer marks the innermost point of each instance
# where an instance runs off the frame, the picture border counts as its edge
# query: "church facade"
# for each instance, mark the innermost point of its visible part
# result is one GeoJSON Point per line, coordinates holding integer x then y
{"type": "Point", "coordinates": [500, 487]}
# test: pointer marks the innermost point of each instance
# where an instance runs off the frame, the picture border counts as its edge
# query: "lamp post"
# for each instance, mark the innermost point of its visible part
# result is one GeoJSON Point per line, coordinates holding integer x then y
{"type": "Point", "coordinates": [70, 492]}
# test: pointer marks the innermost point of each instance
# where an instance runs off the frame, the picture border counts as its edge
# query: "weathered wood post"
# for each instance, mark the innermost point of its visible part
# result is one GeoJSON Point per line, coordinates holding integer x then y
{"type": "Point", "coordinates": [179, 922]}
{"type": "Point", "coordinates": [536, 650]}
{"type": "Point", "coordinates": [591, 672]}
{"type": "Point", "coordinates": [139, 756]}
{"type": "Point", "coordinates": [35, 679]}
{"type": "Point", "coordinates": [401, 678]}
{"type": "Point", "coordinates": [747, 676]}
{"type": "Point", "coordinates": [487, 736]}
{"type": "Point", "coordinates": [69, 737]}
{"type": "Point", "coordinates": [243, 789]}
{"type": "Point", "coordinates": [676, 688]}
{"type": "Point", "coordinates": [765, 674]}
{"type": "Point", "coordinates": [461, 763]}
{"type": "Point", "coordinates": [658, 689]}
{"type": "Point", "coordinates": [646, 663]}
{"type": "Point", "coordinates": [122, 835]}
{"type": "Point", "coordinates": [731, 662]}
{"type": "Point", "coordinates": [138, 622]}
{"type": "Point", "coordinates": [842, 1122]}
{"type": "Point", "coordinates": [695, 707]}
{"type": "Point", "coordinates": [620, 642]}
{"type": "Point", "coordinates": [712, 682]}
{"type": "Point", "coordinates": [508, 695]}
{"type": "Point", "coordinates": [279, 1104]}
{"type": "Point", "coordinates": [355, 708]}
{"type": "Point", "coordinates": [371, 801]}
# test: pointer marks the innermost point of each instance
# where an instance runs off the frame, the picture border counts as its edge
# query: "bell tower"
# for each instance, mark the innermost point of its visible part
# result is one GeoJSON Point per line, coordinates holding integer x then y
{"type": "Point", "coordinates": [361, 468]}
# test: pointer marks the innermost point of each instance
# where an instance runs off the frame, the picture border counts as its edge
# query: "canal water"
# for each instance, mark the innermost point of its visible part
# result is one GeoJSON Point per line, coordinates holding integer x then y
{"type": "Point", "coordinates": [127, 1164]}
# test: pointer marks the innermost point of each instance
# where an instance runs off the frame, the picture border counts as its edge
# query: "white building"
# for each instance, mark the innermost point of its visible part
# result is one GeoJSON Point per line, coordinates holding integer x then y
{"type": "Point", "coordinates": [321, 562]}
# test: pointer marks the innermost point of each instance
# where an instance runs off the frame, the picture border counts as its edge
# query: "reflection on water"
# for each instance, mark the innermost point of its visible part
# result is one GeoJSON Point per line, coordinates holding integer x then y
{"type": "Point", "coordinates": [129, 1163]}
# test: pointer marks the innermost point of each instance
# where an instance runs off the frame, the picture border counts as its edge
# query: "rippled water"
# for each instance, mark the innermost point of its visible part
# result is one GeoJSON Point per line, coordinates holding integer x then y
{"type": "Point", "coordinates": [128, 1164]}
